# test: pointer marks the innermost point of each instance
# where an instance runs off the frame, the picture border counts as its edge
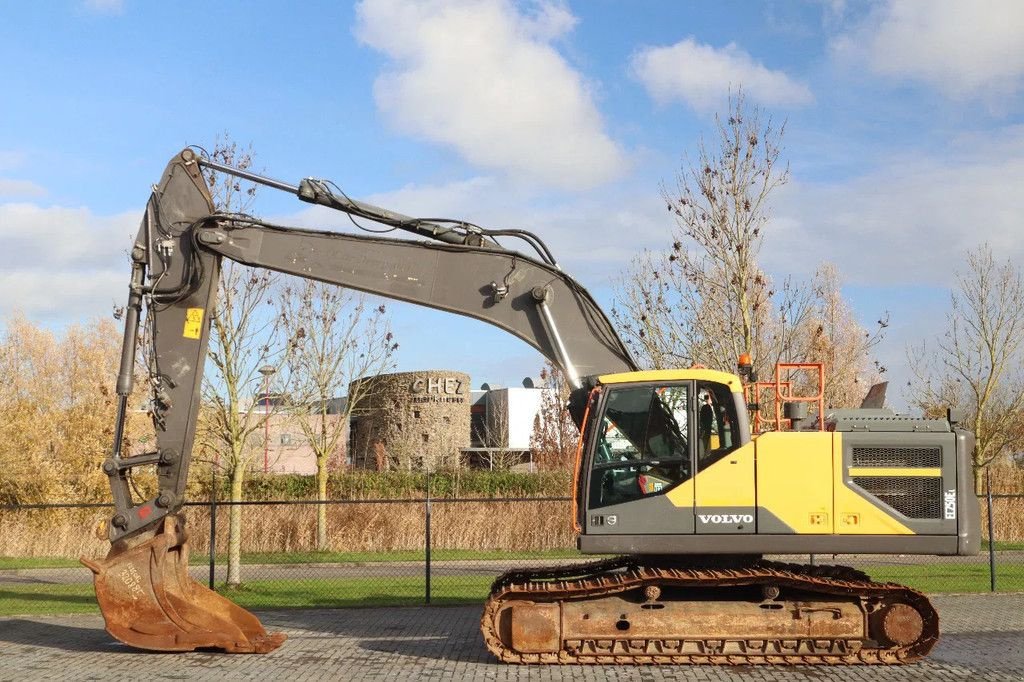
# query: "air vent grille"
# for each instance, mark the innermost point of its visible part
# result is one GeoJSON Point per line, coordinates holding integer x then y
{"type": "Point", "coordinates": [916, 497]}
{"type": "Point", "coordinates": [897, 457]}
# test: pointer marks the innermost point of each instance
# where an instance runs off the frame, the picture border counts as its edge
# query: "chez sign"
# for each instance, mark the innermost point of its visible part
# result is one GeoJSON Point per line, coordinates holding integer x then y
{"type": "Point", "coordinates": [437, 389]}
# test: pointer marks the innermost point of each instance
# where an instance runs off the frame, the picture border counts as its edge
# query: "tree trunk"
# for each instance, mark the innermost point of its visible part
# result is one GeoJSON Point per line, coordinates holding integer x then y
{"type": "Point", "coordinates": [321, 509]}
{"type": "Point", "coordinates": [237, 475]}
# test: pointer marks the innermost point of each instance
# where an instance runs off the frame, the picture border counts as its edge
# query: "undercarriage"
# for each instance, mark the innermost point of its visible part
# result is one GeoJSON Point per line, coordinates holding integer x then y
{"type": "Point", "coordinates": [650, 610]}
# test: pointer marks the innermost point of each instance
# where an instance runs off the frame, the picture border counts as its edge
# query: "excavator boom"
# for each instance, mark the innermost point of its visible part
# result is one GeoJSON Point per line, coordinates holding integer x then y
{"type": "Point", "coordinates": [143, 587]}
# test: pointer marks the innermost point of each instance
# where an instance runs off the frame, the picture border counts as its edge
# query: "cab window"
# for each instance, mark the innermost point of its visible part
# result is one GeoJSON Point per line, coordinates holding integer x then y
{"type": "Point", "coordinates": [642, 444]}
{"type": "Point", "coordinates": [716, 422]}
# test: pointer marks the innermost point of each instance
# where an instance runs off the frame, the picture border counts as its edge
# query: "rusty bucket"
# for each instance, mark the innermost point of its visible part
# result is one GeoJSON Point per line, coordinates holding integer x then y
{"type": "Point", "coordinates": [148, 600]}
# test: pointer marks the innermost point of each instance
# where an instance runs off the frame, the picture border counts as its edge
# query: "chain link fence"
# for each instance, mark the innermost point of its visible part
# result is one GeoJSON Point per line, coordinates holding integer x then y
{"type": "Point", "coordinates": [405, 551]}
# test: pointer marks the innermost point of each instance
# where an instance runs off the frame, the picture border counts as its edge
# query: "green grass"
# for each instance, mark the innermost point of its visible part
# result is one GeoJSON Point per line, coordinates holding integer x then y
{"type": "Point", "coordinates": [48, 599]}
{"type": "Point", "coordinates": [52, 599]}
{"type": "Point", "coordinates": [8, 563]}
{"type": "Point", "coordinates": [21, 599]}
{"type": "Point", "coordinates": [405, 555]}
{"type": "Point", "coordinates": [348, 592]}
{"type": "Point", "coordinates": [938, 578]}
{"type": "Point", "coordinates": [11, 563]}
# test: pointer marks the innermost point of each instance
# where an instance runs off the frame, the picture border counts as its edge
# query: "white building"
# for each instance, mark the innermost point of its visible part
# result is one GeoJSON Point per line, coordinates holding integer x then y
{"type": "Point", "coordinates": [506, 417]}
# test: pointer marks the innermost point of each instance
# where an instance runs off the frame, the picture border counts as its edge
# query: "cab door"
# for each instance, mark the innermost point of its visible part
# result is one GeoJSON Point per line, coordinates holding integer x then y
{"type": "Point", "coordinates": [724, 483]}
{"type": "Point", "coordinates": [640, 458]}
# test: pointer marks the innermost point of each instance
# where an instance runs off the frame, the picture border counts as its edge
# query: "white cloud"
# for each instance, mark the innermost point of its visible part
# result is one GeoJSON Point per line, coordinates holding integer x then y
{"type": "Point", "coordinates": [963, 49]}
{"type": "Point", "coordinates": [20, 188]}
{"type": "Point", "coordinates": [911, 220]}
{"type": "Point", "coordinates": [593, 236]}
{"type": "Point", "coordinates": [65, 297]}
{"type": "Point", "coordinates": [62, 263]}
{"type": "Point", "coordinates": [9, 187]}
{"type": "Point", "coordinates": [483, 77]}
{"type": "Point", "coordinates": [702, 76]}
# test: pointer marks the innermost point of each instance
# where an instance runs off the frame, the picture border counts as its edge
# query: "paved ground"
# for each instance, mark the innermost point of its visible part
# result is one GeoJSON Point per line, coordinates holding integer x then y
{"type": "Point", "coordinates": [983, 639]}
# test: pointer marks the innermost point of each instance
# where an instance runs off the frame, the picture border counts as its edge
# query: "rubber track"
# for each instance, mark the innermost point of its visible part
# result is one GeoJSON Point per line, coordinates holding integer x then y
{"type": "Point", "coordinates": [613, 576]}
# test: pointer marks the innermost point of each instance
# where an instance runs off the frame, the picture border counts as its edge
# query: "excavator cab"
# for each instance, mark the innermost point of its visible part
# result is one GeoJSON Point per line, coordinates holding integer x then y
{"type": "Point", "coordinates": [649, 438]}
{"type": "Point", "coordinates": [669, 464]}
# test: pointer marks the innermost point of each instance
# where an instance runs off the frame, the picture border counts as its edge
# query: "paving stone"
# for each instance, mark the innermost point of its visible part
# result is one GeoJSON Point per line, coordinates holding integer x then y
{"type": "Point", "coordinates": [982, 639]}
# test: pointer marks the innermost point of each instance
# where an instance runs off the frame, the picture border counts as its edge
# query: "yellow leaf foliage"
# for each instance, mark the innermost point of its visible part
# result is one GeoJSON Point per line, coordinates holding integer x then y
{"type": "Point", "coordinates": [57, 411]}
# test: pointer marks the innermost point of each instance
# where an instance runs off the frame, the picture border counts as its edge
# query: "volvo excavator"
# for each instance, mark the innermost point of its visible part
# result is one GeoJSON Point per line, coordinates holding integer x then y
{"type": "Point", "coordinates": [669, 479]}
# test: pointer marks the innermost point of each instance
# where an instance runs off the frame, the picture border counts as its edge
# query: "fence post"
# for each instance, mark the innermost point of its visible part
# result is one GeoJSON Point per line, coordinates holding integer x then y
{"type": "Point", "coordinates": [427, 563]}
{"type": "Point", "coordinates": [213, 522]}
{"type": "Point", "coordinates": [991, 533]}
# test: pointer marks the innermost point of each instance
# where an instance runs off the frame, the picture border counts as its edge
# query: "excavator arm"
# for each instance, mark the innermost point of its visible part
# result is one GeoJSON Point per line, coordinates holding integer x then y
{"type": "Point", "coordinates": [143, 587]}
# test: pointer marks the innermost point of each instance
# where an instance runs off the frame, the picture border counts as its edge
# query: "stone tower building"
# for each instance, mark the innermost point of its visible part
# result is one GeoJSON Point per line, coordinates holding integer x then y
{"type": "Point", "coordinates": [410, 420]}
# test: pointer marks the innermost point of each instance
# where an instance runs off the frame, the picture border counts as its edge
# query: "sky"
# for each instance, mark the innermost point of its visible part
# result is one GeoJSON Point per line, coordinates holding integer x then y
{"type": "Point", "coordinates": [903, 131]}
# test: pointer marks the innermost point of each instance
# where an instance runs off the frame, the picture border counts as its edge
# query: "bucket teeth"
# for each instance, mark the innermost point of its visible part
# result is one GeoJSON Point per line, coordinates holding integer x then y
{"type": "Point", "coordinates": [148, 600]}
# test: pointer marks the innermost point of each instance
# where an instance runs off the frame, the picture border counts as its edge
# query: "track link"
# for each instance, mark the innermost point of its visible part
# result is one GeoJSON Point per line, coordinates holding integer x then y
{"type": "Point", "coordinates": [595, 580]}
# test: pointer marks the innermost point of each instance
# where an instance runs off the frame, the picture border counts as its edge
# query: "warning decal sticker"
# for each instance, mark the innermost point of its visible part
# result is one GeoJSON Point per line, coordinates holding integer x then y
{"type": "Point", "coordinates": [193, 323]}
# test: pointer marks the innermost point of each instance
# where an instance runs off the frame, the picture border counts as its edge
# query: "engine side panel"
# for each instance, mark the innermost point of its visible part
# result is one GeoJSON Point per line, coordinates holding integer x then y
{"type": "Point", "coordinates": [815, 492]}
{"type": "Point", "coordinates": [896, 482]}
{"type": "Point", "coordinates": [795, 483]}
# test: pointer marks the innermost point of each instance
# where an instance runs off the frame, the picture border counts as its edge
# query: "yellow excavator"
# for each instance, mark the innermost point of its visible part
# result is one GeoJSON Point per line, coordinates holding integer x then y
{"type": "Point", "coordinates": [670, 477]}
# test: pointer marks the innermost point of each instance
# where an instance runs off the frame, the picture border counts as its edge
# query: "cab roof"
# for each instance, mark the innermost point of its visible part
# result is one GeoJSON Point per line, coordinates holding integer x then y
{"type": "Point", "coordinates": [665, 375]}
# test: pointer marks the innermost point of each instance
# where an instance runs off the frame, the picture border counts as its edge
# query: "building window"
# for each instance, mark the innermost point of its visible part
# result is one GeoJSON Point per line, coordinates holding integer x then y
{"type": "Point", "coordinates": [286, 439]}
{"type": "Point", "coordinates": [416, 414]}
{"type": "Point", "coordinates": [426, 437]}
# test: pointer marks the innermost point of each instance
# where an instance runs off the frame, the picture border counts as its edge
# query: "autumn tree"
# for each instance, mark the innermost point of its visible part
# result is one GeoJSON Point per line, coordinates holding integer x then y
{"type": "Point", "coordinates": [705, 299]}
{"type": "Point", "coordinates": [555, 436]}
{"type": "Point", "coordinates": [245, 336]}
{"type": "Point", "coordinates": [336, 336]}
{"type": "Point", "coordinates": [30, 372]}
{"type": "Point", "coordinates": [975, 365]}
{"type": "Point", "coordinates": [827, 331]}
{"type": "Point", "coordinates": [58, 410]}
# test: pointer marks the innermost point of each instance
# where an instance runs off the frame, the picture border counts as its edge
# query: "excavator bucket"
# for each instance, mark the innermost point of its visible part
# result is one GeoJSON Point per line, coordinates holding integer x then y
{"type": "Point", "coordinates": [149, 601]}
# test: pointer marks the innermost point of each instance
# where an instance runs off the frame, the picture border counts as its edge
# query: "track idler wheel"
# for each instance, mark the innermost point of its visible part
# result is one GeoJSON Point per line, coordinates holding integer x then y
{"type": "Point", "coordinates": [902, 624]}
{"type": "Point", "coordinates": [148, 600]}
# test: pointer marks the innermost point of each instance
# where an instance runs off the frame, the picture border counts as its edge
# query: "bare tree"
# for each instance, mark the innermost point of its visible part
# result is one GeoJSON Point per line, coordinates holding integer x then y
{"type": "Point", "coordinates": [495, 433]}
{"type": "Point", "coordinates": [336, 337]}
{"type": "Point", "coordinates": [245, 336]}
{"type": "Point", "coordinates": [706, 300]}
{"type": "Point", "coordinates": [975, 366]}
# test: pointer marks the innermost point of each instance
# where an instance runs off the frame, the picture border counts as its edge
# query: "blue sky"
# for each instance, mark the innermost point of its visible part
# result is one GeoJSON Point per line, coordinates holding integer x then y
{"type": "Point", "coordinates": [904, 134]}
